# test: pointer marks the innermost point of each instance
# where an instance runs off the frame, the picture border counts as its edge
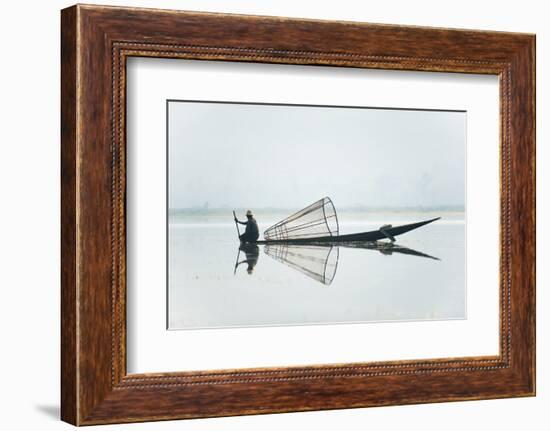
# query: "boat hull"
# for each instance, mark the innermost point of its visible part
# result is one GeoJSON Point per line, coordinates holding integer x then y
{"type": "Point", "coordinates": [374, 235]}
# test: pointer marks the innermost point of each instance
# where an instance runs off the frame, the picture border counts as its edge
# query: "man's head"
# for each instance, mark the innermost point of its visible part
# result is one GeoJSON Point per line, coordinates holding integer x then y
{"type": "Point", "coordinates": [249, 214]}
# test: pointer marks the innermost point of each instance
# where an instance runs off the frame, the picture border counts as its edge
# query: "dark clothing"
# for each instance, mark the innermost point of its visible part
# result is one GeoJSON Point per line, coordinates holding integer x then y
{"type": "Point", "coordinates": [251, 233]}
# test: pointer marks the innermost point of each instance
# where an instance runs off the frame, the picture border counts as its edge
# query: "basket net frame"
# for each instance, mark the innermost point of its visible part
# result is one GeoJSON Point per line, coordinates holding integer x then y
{"type": "Point", "coordinates": [314, 221]}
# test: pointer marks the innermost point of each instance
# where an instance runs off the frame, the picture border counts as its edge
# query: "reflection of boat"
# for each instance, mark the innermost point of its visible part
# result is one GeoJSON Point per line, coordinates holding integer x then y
{"type": "Point", "coordinates": [320, 260]}
{"type": "Point", "coordinates": [318, 223]}
{"type": "Point", "coordinates": [387, 248]}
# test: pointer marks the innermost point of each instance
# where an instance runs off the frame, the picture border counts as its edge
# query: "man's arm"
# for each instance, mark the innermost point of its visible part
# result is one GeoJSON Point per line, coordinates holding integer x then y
{"type": "Point", "coordinates": [240, 222]}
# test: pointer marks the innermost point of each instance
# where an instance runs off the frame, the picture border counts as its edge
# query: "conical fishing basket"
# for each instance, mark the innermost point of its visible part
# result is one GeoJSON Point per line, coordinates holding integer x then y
{"type": "Point", "coordinates": [314, 221]}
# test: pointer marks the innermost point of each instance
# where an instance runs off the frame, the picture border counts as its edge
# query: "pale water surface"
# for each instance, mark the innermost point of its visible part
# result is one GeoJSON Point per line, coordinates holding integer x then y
{"type": "Point", "coordinates": [423, 278]}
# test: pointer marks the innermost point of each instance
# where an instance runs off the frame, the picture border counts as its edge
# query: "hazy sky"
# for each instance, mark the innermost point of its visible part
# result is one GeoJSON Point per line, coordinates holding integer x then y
{"type": "Point", "coordinates": [255, 156]}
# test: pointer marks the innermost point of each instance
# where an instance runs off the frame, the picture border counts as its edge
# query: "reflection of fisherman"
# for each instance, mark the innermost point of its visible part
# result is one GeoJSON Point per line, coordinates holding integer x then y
{"type": "Point", "coordinates": [251, 233]}
{"type": "Point", "coordinates": [252, 253]}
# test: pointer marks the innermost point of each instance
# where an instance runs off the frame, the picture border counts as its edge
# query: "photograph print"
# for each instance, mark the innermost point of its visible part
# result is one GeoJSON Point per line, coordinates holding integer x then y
{"type": "Point", "coordinates": [283, 214]}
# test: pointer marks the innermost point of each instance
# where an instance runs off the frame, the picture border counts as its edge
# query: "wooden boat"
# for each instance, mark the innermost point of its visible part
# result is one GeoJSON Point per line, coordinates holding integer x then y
{"type": "Point", "coordinates": [318, 224]}
{"type": "Point", "coordinates": [373, 235]}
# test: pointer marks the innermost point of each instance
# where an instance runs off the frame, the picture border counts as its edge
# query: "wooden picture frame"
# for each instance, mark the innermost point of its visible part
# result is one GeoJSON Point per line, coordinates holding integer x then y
{"type": "Point", "coordinates": [95, 43]}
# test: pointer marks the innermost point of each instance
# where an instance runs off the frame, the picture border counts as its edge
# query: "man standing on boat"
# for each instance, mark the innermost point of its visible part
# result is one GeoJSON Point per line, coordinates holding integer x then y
{"type": "Point", "coordinates": [251, 232]}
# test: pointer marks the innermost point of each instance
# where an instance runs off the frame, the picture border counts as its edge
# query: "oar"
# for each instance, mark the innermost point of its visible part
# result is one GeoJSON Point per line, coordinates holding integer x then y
{"type": "Point", "coordinates": [237, 261]}
{"type": "Point", "coordinates": [236, 224]}
{"type": "Point", "coordinates": [239, 234]}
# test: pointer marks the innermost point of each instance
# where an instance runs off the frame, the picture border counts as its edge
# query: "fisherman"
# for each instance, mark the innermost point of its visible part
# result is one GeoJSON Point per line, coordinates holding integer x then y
{"type": "Point", "coordinates": [251, 233]}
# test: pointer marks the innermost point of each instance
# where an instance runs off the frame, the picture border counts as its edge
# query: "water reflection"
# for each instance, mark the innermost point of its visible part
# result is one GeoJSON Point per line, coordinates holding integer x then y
{"type": "Point", "coordinates": [251, 255]}
{"type": "Point", "coordinates": [388, 248]}
{"type": "Point", "coordinates": [317, 261]}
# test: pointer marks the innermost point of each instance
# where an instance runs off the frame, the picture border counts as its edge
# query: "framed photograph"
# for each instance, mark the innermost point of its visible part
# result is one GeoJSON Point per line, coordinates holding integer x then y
{"type": "Point", "coordinates": [264, 214]}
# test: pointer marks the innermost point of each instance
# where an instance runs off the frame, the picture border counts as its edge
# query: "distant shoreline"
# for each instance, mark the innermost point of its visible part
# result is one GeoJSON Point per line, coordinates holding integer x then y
{"type": "Point", "coordinates": [346, 217]}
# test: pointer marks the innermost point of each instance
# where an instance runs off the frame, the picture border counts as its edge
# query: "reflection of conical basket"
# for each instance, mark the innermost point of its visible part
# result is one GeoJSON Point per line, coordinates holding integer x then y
{"type": "Point", "coordinates": [317, 220]}
{"type": "Point", "coordinates": [316, 261]}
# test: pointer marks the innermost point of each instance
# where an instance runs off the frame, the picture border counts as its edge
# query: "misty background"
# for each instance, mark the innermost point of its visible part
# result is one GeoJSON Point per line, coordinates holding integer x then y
{"type": "Point", "coordinates": [225, 156]}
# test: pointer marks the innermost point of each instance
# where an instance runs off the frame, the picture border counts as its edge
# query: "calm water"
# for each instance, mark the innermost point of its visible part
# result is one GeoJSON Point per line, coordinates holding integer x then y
{"type": "Point", "coordinates": [421, 278]}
